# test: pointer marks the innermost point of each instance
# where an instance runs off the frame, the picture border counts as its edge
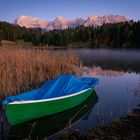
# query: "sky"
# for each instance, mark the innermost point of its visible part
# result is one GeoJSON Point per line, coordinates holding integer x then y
{"type": "Point", "coordinates": [50, 9]}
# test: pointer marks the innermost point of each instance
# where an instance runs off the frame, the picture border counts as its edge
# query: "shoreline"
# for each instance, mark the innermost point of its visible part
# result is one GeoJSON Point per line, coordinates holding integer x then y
{"type": "Point", "coordinates": [125, 128]}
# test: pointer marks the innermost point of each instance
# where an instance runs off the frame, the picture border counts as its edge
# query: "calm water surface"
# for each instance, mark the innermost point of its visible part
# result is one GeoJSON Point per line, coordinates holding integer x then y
{"type": "Point", "coordinates": [113, 59]}
{"type": "Point", "coordinates": [119, 87]}
{"type": "Point", "coordinates": [118, 93]}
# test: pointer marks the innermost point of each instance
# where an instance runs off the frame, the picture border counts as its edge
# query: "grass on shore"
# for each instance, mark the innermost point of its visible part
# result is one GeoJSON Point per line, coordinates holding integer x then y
{"type": "Point", "coordinates": [22, 70]}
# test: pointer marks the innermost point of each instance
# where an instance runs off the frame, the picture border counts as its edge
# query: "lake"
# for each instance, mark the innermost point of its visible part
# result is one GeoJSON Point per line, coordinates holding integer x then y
{"type": "Point", "coordinates": [117, 94]}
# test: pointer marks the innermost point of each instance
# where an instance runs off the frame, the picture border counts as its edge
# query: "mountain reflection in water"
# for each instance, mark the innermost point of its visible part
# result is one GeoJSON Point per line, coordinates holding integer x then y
{"type": "Point", "coordinates": [118, 92]}
{"type": "Point", "coordinates": [109, 59]}
{"type": "Point", "coordinates": [119, 86]}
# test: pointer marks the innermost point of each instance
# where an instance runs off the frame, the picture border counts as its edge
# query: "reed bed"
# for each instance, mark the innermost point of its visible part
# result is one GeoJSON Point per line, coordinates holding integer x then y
{"type": "Point", "coordinates": [22, 70]}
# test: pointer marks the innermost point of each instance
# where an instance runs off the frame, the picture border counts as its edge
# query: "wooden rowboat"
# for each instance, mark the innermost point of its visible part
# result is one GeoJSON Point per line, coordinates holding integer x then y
{"type": "Point", "coordinates": [48, 126]}
{"type": "Point", "coordinates": [23, 111]}
{"type": "Point", "coordinates": [20, 111]}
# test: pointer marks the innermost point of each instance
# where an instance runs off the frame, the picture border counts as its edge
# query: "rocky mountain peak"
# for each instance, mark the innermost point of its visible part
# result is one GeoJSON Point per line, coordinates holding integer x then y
{"type": "Point", "coordinates": [62, 23]}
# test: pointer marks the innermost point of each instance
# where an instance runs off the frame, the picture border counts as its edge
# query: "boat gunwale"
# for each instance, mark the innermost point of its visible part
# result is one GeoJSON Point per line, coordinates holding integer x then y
{"type": "Point", "coordinates": [50, 99]}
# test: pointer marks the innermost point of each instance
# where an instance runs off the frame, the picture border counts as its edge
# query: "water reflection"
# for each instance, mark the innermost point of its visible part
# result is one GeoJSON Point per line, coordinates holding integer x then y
{"type": "Point", "coordinates": [118, 92]}
{"type": "Point", "coordinates": [119, 86]}
{"type": "Point", "coordinates": [110, 59]}
{"type": "Point", "coordinates": [98, 71]}
{"type": "Point", "coordinates": [117, 98]}
{"type": "Point", "coordinates": [45, 127]}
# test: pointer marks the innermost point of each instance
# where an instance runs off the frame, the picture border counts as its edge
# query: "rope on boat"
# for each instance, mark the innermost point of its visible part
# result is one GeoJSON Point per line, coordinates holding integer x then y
{"type": "Point", "coordinates": [32, 128]}
{"type": "Point", "coordinates": [69, 123]}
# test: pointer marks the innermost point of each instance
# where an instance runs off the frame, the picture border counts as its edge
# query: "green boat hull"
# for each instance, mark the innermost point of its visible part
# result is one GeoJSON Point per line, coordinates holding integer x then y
{"type": "Point", "coordinates": [20, 113]}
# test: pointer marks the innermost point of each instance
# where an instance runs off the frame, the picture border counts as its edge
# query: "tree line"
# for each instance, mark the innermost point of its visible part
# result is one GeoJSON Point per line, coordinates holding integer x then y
{"type": "Point", "coordinates": [118, 35]}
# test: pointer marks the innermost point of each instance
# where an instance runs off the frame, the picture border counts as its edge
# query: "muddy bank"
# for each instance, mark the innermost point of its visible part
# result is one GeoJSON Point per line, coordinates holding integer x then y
{"type": "Point", "coordinates": [4, 125]}
{"type": "Point", "coordinates": [122, 129]}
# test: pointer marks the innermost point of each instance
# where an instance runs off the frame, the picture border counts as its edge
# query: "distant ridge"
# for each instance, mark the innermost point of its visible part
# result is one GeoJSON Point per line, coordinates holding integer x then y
{"type": "Point", "coordinates": [62, 23]}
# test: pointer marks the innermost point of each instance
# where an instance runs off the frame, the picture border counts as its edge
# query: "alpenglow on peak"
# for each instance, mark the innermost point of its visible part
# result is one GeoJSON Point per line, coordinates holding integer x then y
{"type": "Point", "coordinates": [62, 23]}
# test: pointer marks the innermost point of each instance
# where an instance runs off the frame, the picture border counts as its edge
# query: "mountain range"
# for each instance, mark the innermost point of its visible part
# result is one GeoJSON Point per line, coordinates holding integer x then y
{"type": "Point", "coordinates": [63, 23]}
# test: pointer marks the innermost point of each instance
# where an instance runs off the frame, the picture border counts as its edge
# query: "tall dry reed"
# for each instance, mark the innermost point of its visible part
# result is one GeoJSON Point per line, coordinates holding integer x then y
{"type": "Point", "coordinates": [22, 70]}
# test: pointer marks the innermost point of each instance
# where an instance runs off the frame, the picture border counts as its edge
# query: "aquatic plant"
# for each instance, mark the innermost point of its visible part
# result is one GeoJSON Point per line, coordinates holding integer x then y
{"type": "Point", "coordinates": [24, 69]}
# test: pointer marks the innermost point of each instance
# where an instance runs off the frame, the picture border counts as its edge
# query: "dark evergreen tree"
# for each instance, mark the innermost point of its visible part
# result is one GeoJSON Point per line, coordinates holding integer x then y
{"type": "Point", "coordinates": [118, 35]}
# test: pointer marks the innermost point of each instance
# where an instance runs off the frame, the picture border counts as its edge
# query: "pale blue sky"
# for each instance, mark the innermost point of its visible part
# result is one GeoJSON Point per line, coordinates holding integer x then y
{"type": "Point", "coordinates": [50, 9]}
